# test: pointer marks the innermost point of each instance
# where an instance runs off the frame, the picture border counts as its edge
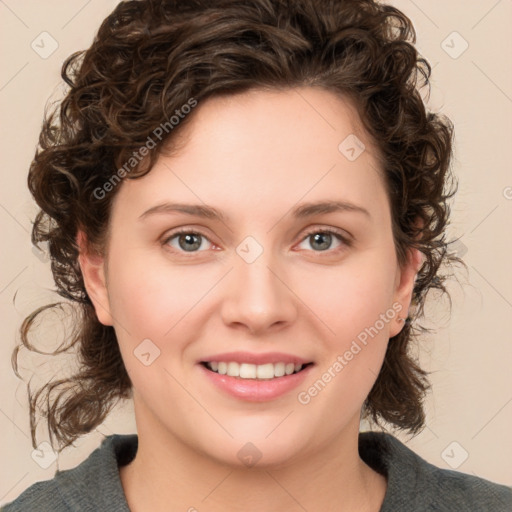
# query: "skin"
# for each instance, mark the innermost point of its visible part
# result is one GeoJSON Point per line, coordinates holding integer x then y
{"type": "Point", "coordinates": [254, 156]}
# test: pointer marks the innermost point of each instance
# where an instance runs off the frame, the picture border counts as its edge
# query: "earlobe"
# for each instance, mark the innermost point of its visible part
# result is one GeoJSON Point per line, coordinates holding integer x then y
{"type": "Point", "coordinates": [92, 266]}
{"type": "Point", "coordinates": [404, 287]}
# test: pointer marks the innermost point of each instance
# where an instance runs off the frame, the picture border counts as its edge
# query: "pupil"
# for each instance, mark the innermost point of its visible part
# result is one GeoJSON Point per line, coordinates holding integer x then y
{"type": "Point", "coordinates": [321, 237]}
{"type": "Point", "coordinates": [188, 239]}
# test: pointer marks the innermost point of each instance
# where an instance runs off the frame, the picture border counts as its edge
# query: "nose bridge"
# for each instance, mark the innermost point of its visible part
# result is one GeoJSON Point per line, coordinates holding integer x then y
{"type": "Point", "coordinates": [258, 296]}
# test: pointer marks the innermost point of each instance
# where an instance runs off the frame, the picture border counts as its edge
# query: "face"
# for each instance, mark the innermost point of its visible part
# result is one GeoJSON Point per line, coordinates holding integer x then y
{"type": "Point", "coordinates": [258, 277]}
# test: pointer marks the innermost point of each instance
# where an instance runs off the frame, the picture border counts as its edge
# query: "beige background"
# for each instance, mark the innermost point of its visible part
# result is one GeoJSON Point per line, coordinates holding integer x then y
{"type": "Point", "coordinates": [470, 355]}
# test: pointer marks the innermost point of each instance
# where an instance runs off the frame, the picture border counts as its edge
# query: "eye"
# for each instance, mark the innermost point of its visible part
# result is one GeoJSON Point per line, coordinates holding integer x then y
{"type": "Point", "coordinates": [192, 241]}
{"type": "Point", "coordinates": [187, 241]}
{"type": "Point", "coordinates": [321, 239]}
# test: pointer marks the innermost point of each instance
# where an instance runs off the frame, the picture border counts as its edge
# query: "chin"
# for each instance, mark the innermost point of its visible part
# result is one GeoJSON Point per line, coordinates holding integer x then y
{"type": "Point", "coordinates": [279, 449]}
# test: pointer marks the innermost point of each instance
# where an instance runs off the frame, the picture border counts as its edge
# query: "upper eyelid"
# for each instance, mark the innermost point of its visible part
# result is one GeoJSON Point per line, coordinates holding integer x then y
{"type": "Point", "coordinates": [335, 231]}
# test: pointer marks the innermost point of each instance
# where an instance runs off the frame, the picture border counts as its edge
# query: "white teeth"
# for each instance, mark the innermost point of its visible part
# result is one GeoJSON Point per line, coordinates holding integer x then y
{"type": "Point", "coordinates": [265, 371]}
{"type": "Point", "coordinates": [233, 369]}
{"type": "Point", "coordinates": [247, 371]}
{"type": "Point", "coordinates": [279, 370]}
{"type": "Point", "coordinates": [254, 371]}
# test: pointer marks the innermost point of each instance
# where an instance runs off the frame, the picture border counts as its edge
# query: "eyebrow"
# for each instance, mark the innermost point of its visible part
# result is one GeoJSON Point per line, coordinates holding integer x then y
{"type": "Point", "coordinates": [300, 212]}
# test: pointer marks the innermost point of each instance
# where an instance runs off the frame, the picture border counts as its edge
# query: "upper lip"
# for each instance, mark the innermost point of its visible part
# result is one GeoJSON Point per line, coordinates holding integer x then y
{"type": "Point", "coordinates": [255, 358]}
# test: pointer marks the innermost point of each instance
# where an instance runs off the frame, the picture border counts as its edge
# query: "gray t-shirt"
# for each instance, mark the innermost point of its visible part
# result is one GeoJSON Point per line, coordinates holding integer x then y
{"type": "Point", "coordinates": [414, 485]}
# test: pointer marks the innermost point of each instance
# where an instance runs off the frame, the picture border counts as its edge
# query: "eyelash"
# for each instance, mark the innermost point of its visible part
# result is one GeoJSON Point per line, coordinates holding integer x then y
{"type": "Point", "coordinates": [342, 238]}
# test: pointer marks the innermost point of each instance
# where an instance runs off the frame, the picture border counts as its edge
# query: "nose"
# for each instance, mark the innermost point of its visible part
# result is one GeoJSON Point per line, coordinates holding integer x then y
{"type": "Point", "coordinates": [257, 297]}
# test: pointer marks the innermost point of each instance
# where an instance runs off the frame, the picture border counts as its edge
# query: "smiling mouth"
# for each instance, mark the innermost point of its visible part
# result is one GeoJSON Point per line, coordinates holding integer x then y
{"type": "Point", "coordinates": [266, 371]}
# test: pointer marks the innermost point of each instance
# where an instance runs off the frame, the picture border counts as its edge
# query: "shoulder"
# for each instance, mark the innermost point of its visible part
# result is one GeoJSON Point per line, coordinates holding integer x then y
{"type": "Point", "coordinates": [39, 496]}
{"type": "Point", "coordinates": [88, 487]}
{"type": "Point", "coordinates": [415, 484]}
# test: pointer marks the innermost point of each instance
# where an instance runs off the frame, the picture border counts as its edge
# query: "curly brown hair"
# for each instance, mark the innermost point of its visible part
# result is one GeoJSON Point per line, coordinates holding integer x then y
{"type": "Point", "coordinates": [149, 58]}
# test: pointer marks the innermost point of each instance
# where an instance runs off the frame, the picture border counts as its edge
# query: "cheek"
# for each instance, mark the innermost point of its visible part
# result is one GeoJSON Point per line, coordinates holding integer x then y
{"type": "Point", "coordinates": [149, 304]}
{"type": "Point", "coordinates": [353, 307]}
{"type": "Point", "coordinates": [163, 304]}
{"type": "Point", "coordinates": [149, 300]}
{"type": "Point", "coordinates": [351, 297]}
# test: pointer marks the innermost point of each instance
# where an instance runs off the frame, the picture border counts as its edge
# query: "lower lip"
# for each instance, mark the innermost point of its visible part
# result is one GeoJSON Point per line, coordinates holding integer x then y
{"type": "Point", "coordinates": [255, 390]}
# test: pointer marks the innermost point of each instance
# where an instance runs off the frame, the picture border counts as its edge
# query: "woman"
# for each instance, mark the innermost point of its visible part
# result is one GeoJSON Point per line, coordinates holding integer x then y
{"type": "Point", "coordinates": [244, 200]}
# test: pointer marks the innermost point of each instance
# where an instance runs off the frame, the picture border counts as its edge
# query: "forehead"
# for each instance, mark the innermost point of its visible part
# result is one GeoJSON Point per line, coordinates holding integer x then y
{"type": "Point", "coordinates": [289, 122]}
{"type": "Point", "coordinates": [263, 149]}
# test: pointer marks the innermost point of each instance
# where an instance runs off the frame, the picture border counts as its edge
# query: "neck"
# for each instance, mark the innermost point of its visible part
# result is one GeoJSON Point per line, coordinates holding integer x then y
{"type": "Point", "coordinates": [168, 475]}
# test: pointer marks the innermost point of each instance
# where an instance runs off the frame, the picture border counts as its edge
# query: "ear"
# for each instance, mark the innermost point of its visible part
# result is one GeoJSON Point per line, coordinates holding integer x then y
{"type": "Point", "coordinates": [404, 286]}
{"type": "Point", "coordinates": [92, 266]}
